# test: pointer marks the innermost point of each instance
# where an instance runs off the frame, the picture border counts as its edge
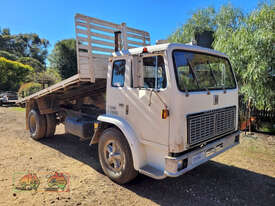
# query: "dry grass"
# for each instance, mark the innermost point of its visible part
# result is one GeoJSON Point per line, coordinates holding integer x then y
{"type": "Point", "coordinates": [256, 152]}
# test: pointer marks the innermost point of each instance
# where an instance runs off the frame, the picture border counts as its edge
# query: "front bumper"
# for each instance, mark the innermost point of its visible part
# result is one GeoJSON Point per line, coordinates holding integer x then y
{"type": "Point", "coordinates": [176, 166]}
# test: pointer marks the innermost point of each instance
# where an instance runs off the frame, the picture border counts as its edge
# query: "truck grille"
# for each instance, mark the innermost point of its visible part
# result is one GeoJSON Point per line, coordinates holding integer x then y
{"type": "Point", "coordinates": [206, 125]}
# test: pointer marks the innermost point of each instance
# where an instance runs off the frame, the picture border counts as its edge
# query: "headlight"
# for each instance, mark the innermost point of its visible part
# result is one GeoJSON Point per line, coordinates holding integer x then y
{"type": "Point", "coordinates": [5, 98]}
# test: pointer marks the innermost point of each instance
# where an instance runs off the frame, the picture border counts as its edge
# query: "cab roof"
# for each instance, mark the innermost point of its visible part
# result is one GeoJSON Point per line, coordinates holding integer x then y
{"type": "Point", "coordinates": [169, 47]}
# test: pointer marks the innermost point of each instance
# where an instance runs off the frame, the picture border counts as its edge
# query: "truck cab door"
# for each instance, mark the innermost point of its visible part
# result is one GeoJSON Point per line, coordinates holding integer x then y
{"type": "Point", "coordinates": [115, 98]}
{"type": "Point", "coordinates": [146, 96]}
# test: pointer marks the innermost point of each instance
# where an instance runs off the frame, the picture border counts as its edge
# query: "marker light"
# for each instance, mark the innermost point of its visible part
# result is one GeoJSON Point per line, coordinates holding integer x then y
{"type": "Point", "coordinates": [145, 50]}
{"type": "Point", "coordinates": [95, 125]}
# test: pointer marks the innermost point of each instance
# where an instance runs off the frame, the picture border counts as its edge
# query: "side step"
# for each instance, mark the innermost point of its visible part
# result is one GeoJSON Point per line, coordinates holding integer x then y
{"type": "Point", "coordinates": [152, 172]}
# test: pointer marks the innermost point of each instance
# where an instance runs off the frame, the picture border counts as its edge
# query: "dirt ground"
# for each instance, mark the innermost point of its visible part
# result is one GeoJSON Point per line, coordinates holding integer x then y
{"type": "Point", "coordinates": [244, 175]}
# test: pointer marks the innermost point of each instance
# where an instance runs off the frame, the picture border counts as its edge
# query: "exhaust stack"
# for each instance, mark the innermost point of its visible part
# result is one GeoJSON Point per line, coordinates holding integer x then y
{"type": "Point", "coordinates": [118, 45]}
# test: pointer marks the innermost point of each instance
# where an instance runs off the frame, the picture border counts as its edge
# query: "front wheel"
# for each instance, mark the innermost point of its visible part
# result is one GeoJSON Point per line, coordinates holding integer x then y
{"type": "Point", "coordinates": [115, 156]}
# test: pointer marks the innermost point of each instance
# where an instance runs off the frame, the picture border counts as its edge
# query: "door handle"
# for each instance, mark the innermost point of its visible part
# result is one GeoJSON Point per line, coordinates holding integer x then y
{"type": "Point", "coordinates": [120, 104]}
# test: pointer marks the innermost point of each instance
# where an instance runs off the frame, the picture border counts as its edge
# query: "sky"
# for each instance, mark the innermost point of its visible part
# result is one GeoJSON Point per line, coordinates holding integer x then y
{"type": "Point", "coordinates": [54, 19]}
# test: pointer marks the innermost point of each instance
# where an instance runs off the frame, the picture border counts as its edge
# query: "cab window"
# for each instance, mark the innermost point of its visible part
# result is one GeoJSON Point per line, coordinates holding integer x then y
{"type": "Point", "coordinates": [154, 72]}
{"type": "Point", "coordinates": [118, 73]}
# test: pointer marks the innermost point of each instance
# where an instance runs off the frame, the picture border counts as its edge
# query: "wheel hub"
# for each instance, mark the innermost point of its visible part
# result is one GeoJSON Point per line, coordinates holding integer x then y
{"type": "Point", "coordinates": [32, 124]}
{"type": "Point", "coordinates": [113, 156]}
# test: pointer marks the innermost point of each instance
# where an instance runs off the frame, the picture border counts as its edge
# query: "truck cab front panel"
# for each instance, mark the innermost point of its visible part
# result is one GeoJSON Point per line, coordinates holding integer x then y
{"type": "Point", "coordinates": [200, 111]}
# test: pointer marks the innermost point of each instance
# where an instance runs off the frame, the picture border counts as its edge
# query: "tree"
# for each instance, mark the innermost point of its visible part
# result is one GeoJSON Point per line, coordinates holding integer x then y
{"type": "Point", "coordinates": [34, 63]}
{"type": "Point", "coordinates": [29, 89]}
{"type": "Point", "coordinates": [4, 33]}
{"type": "Point", "coordinates": [248, 40]}
{"type": "Point", "coordinates": [250, 45]}
{"type": "Point", "coordinates": [24, 45]}
{"type": "Point", "coordinates": [228, 21]}
{"type": "Point", "coordinates": [38, 81]}
{"type": "Point", "coordinates": [202, 20]}
{"type": "Point", "coordinates": [12, 74]}
{"type": "Point", "coordinates": [48, 77]}
{"type": "Point", "coordinates": [27, 53]}
{"type": "Point", "coordinates": [63, 58]}
{"type": "Point", "coordinates": [7, 55]}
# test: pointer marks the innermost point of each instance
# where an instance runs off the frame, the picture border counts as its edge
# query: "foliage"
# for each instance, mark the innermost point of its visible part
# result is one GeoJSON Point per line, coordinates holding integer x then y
{"type": "Point", "coordinates": [249, 42]}
{"type": "Point", "coordinates": [228, 21]}
{"type": "Point", "coordinates": [34, 63]}
{"type": "Point", "coordinates": [49, 77]}
{"type": "Point", "coordinates": [46, 78]}
{"type": "Point", "coordinates": [54, 74]}
{"type": "Point", "coordinates": [201, 20]}
{"type": "Point", "coordinates": [251, 48]}
{"type": "Point", "coordinates": [29, 89]}
{"type": "Point", "coordinates": [63, 58]}
{"type": "Point", "coordinates": [12, 74]}
{"type": "Point", "coordinates": [24, 45]}
{"type": "Point", "coordinates": [39, 81]}
{"type": "Point", "coordinates": [7, 55]}
{"type": "Point", "coordinates": [267, 127]}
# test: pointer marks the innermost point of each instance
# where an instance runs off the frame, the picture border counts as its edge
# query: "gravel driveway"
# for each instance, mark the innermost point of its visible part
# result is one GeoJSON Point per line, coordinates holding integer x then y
{"type": "Point", "coordinates": [242, 176]}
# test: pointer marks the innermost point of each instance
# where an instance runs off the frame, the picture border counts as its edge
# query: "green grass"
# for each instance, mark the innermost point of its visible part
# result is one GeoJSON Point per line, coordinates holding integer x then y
{"type": "Point", "coordinates": [20, 109]}
{"type": "Point", "coordinates": [267, 127]}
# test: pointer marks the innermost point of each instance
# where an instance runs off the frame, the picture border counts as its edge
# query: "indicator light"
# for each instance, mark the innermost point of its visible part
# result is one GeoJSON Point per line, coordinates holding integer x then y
{"type": "Point", "coordinates": [164, 113]}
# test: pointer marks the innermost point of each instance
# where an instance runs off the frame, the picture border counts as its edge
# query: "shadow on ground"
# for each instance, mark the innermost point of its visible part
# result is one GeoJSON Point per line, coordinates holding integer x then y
{"type": "Point", "coordinates": [212, 183]}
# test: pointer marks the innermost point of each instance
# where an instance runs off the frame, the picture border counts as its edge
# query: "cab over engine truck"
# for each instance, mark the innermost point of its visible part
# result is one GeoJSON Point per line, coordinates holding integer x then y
{"type": "Point", "coordinates": [159, 110]}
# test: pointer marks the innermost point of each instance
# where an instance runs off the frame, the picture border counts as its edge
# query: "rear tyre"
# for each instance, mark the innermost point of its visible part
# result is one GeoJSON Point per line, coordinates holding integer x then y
{"type": "Point", "coordinates": [115, 156]}
{"type": "Point", "coordinates": [51, 125]}
{"type": "Point", "coordinates": [37, 125]}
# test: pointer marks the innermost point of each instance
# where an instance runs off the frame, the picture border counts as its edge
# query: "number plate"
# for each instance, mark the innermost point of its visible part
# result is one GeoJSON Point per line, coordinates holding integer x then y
{"type": "Point", "coordinates": [198, 157]}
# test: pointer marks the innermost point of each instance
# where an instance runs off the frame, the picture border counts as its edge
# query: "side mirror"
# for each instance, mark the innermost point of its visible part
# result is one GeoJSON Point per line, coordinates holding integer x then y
{"type": "Point", "coordinates": [137, 72]}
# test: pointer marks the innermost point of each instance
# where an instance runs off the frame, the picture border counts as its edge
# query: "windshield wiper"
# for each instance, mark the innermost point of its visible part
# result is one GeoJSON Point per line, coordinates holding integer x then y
{"type": "Point", "coordinates": [212, 74]}
{"type": "Point", "coordinates": [195, 77]}
{"type": "Point", "coordinates": [193, 73]}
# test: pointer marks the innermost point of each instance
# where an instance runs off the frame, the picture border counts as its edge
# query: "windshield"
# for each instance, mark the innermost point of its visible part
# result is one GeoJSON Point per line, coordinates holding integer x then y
{"type": "Point", "coordinates": [197, 71]}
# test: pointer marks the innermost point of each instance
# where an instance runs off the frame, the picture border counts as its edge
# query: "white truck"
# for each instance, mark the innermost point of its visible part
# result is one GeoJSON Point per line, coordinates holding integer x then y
{"type": "Point", "coordinates": [158, 110]}
{"type": "Point", "coordinates": [8, 98]}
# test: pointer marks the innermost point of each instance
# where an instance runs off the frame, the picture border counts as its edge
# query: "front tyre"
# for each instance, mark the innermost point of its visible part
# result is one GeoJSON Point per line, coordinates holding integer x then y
{"type": "Point", "coordinates": [37, 125]}
{"type": "Point", "coordinates": [115, 156]}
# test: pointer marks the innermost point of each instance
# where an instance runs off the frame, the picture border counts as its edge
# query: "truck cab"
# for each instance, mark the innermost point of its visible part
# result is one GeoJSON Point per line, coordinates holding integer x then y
{"type": "Point", "coordinates": [160, 110]}
{"type": "Point", "coordinates": [176, 98]}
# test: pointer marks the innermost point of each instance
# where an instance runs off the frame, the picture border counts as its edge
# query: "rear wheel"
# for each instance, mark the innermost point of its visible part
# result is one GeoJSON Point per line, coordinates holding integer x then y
{"type": "Point", "coordinates": [37, 124]}
{"type": "Point", "coordinates": [115, 156]}
{"type": "Point", "coordinates": [51, 124]}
